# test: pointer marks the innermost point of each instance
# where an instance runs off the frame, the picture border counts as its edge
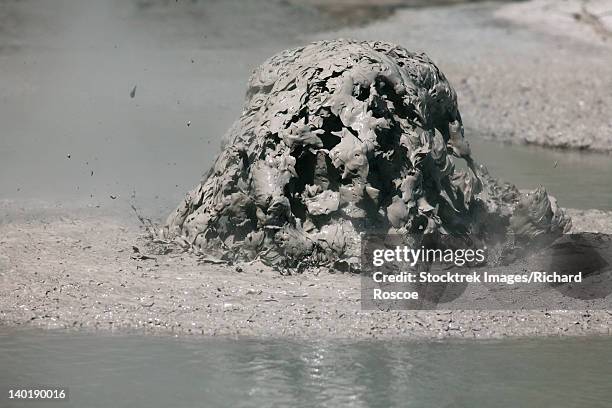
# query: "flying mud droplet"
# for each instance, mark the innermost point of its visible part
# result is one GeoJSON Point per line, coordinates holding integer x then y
{"type": "Point", "coordinates": [339, 138]}
{"type": "Point", "coordinates": [133, 92]}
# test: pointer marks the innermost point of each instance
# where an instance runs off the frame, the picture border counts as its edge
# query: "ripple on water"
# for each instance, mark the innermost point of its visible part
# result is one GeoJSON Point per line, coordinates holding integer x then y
{"type": "Point", "coordinates": [138, 371]}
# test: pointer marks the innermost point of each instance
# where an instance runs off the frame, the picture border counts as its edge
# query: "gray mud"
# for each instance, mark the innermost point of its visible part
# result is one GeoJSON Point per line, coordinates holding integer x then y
{"type": "Point", "coordinates": [78, 271]}
{"type": "Point", "coordinates": [342, 137]}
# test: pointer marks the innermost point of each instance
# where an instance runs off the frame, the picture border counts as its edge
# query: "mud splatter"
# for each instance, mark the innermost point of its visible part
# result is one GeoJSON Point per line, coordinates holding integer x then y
{"type": "Point", "coordinates": [342, 137]}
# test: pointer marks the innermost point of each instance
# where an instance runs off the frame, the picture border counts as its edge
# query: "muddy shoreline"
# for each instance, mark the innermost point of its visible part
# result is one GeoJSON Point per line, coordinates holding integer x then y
{"type": "Point", "coordinates": [362, 12]}
{"type": "Point", "coordinates": [528, 72]}
{"type": "Point", "coordinates": [95, 272]}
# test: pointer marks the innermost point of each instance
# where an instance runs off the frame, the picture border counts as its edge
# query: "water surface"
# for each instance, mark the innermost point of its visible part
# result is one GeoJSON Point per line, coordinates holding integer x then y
{"type": "Point", "coordinates": [137, 371]}
{"type": "Point", "coordinates": [578, 179]}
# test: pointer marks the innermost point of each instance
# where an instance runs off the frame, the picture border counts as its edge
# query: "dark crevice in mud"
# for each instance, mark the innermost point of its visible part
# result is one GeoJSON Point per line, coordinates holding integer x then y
{"type": "Point", "coordinates": [363, 93]}
{"type": "Point", "coordinates": [331, 123]}
{"type": "Point", "coordinates": [395, 104]}
{"type": "Point", "coordinates": [343, 137]}
{"type": "Point", "coordinates": [305, 168]}
{"type": "Point", "coordinates": [329, 140]}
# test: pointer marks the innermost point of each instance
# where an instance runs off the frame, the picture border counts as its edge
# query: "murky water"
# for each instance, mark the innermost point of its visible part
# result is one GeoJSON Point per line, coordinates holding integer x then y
{"type": "Point", "coordinates": [577, 179]}
{"type": "Point", "coordinates": [72, 134]}
{"type": "Point", "coordinates": [134, 371]}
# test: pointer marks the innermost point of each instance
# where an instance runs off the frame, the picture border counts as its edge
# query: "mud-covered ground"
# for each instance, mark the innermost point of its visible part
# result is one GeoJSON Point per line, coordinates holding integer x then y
{"type": "Point", "coordinates": [529, 72]}
{"type": "Point", "coordinates": [361, 12]}
{"type": "Point", "coordinates": [73, 135]}
{"type": "Point", "coordinates": [81, 271]}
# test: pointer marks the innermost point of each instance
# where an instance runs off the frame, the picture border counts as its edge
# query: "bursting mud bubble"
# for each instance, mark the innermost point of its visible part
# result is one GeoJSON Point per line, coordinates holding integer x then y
{"type": "Point", "coordinates": [339, 138]}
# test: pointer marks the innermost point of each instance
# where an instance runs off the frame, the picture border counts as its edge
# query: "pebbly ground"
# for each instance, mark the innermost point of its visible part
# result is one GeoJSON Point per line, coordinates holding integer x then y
{"type": "Point", "coordinates": [96, 272]}
{"type": "Point", "coordinates": [534, 72]}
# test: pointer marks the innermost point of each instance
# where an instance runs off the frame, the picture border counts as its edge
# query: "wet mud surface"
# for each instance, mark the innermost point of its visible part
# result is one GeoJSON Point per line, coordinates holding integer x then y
{"type": "Point", "coordinates": [339, 138]}
{"type": "Point", "coordinates": [74, 271]}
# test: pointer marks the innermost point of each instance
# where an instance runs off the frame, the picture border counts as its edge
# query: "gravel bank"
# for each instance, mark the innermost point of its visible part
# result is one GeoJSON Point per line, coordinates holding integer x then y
{"type": "Point", "coordinates": [520, 76]}
{"type": "Point", "coordinates": [591, 221]}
